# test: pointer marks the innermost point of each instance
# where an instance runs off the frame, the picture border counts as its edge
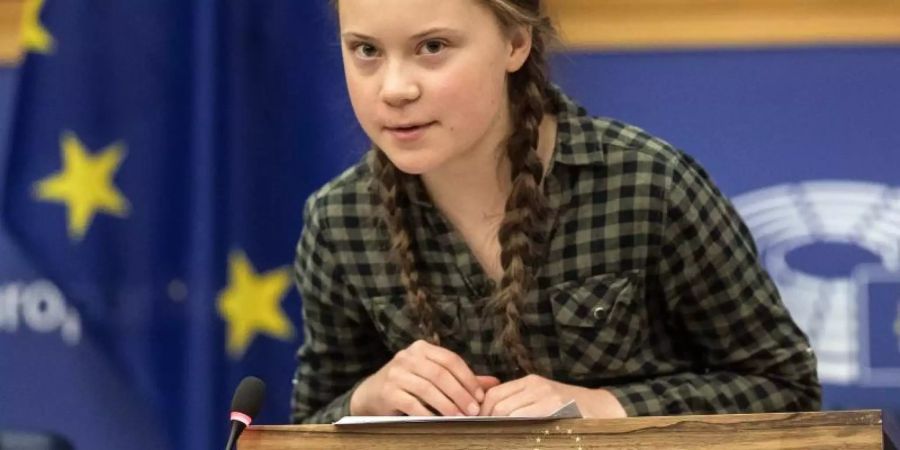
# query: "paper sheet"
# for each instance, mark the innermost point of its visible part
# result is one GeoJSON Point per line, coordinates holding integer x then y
{"type": "Point", "coordinates": [568, 411]}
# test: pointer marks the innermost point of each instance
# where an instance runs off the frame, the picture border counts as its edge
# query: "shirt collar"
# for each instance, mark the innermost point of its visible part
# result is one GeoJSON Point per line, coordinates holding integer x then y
{"type": "Point", "coordinates": [578, 140]}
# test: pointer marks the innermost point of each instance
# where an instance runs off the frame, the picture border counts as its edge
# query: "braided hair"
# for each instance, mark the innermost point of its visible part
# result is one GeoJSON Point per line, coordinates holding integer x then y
{"type": "Point", "coordinates": [526, 212]}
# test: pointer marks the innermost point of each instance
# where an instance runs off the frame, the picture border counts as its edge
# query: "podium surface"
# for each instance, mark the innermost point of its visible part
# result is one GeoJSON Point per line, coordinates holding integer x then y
{"type": "Point", "coordinates": [809, 430]}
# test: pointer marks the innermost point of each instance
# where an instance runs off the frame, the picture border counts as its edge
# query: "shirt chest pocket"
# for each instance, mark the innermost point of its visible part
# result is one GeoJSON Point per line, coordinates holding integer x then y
{"type": "Point", "coordinates": [600, 323]}
{"type": "Point", "coordinates": [396, 321]}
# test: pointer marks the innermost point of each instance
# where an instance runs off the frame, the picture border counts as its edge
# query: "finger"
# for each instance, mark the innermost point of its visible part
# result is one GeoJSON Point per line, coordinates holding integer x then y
{"type": "Point", "coordinates": [457, 367]}
{"type": "Point", "coordinates": [498, 394]}
{"type": "Point", "coordinates": [449, 387]}
{"type": "Point", "coordinates": [487, 382]}
{"type": "Point", "coordinates": [516, 401]}
{"type": "Point", "coordinates": [408, 404]}
{"type": "Point", "coordinates": [428, 393]}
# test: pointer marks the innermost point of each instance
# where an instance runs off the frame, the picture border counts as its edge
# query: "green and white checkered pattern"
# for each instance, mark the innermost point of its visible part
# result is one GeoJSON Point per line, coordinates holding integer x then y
{"type": "Point", "coordinates": [650, 287]}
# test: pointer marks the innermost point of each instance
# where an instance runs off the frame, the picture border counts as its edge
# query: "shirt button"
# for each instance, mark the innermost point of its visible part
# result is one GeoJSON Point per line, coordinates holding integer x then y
{"type": "Point", "coordinates": [598, 312]}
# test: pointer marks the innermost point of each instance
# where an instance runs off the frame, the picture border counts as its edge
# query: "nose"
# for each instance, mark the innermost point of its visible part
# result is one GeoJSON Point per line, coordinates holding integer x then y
{"type": "Point", "coordinates": [399, 86]}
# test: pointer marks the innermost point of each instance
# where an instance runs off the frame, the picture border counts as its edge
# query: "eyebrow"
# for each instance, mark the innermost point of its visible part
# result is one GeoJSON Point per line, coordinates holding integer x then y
{"type": "Point", "coordinates": [417, 36]}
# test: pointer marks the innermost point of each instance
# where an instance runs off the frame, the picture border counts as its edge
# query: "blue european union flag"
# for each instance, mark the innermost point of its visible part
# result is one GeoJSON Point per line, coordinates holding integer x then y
{"type": "Point", "coordinates": [159, 156]}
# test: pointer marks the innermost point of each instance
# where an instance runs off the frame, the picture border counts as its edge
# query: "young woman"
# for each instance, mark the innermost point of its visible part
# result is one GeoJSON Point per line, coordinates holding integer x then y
{"type": "Point", "coordinates": [499, 252]}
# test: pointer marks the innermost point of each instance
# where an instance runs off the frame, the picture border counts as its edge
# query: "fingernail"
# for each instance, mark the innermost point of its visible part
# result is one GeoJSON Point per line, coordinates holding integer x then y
{"type": "Point", "coordinates": [479, 395]}
{"type": "Point", "coordinates": [474, 409]}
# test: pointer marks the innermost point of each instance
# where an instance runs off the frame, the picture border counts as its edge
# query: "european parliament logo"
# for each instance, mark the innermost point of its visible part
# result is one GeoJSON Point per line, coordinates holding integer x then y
{"type": "Point", "coordinates": [833, 249]}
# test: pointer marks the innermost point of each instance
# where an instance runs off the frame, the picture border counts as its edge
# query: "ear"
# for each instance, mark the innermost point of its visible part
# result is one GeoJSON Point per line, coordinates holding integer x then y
{"type": "Point", "coordinates": [519, 48]}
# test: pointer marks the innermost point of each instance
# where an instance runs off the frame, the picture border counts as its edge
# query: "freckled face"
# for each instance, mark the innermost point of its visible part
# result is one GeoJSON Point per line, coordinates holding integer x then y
{"type": "Point", "coordinates": [427, 78]}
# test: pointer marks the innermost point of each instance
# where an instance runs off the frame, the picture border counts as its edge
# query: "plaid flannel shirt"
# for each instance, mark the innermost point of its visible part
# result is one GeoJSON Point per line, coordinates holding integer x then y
{"type": "Point", "coordinates": [650, 287]}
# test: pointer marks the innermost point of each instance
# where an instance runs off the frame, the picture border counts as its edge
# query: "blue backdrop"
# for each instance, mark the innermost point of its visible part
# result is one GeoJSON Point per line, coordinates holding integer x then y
{"type": "Point", "coordinates": [158, 156]}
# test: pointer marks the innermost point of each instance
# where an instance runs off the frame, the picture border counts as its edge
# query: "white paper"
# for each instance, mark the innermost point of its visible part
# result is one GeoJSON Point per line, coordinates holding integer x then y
{"type": "Point", "coordinates": [568, 411]}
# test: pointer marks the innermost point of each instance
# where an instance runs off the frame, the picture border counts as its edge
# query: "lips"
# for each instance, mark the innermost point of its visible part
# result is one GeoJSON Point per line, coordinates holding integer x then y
{"type": "Point", "coordinates": [408, 126]}
{"type": "Point", "coordinates": [409, 132]}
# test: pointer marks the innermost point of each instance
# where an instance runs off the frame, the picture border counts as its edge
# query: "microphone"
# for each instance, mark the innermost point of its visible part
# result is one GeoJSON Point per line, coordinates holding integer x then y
{"type": "Point", "coordinates": [247, 401]}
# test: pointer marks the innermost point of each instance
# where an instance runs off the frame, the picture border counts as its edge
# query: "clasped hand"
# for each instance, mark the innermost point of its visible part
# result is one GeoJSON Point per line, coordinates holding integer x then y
{"type": "Point", "coordinates": [424, 380]}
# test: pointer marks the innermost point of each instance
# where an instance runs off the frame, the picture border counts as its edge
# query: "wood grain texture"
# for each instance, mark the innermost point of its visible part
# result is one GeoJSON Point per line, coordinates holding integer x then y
{"type": "Point", "coordinates": [603, 24]}
{"type": "Point", "coordinates": [817, 430]}
{"type": "Point", "coordinates": [10, 21]}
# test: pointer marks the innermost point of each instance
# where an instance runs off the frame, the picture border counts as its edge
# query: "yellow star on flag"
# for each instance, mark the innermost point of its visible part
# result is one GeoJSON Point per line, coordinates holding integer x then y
{"type": "Point", "coordinates": [85, 184]}
{"type": "Point", "coordinates": [35, 37]}
{"type": "Point", "coordinates": [251, 304]}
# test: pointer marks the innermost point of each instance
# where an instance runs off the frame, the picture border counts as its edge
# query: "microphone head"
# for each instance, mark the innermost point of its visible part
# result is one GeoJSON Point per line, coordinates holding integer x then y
{"type": "Point", "coordinates": [248, 397]}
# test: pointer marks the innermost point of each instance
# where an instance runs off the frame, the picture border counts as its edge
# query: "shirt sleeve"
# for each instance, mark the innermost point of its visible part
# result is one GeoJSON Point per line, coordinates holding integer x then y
{"type": "Point", "coordinates": [750, 354]}
{"type": "Point", "coordinates": [340, 344]}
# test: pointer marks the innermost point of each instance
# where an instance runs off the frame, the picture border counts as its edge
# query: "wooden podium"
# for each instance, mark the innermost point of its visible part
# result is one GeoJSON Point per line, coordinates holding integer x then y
{"type": "Point", "coordinates": [813, 430]}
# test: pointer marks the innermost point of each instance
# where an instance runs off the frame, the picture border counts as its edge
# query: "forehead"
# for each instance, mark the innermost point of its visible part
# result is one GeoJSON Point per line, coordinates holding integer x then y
{"type": "Point", "coordinates": [393, 17]}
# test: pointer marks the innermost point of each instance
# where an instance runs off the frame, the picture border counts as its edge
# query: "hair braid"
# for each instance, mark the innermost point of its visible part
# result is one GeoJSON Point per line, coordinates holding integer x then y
{"type": "Point", "coordinates": [526, 212]}
{"type": "Point", "coordinates": [521, 231]}
{"type": "Point", "coordinates": [392, 195]}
